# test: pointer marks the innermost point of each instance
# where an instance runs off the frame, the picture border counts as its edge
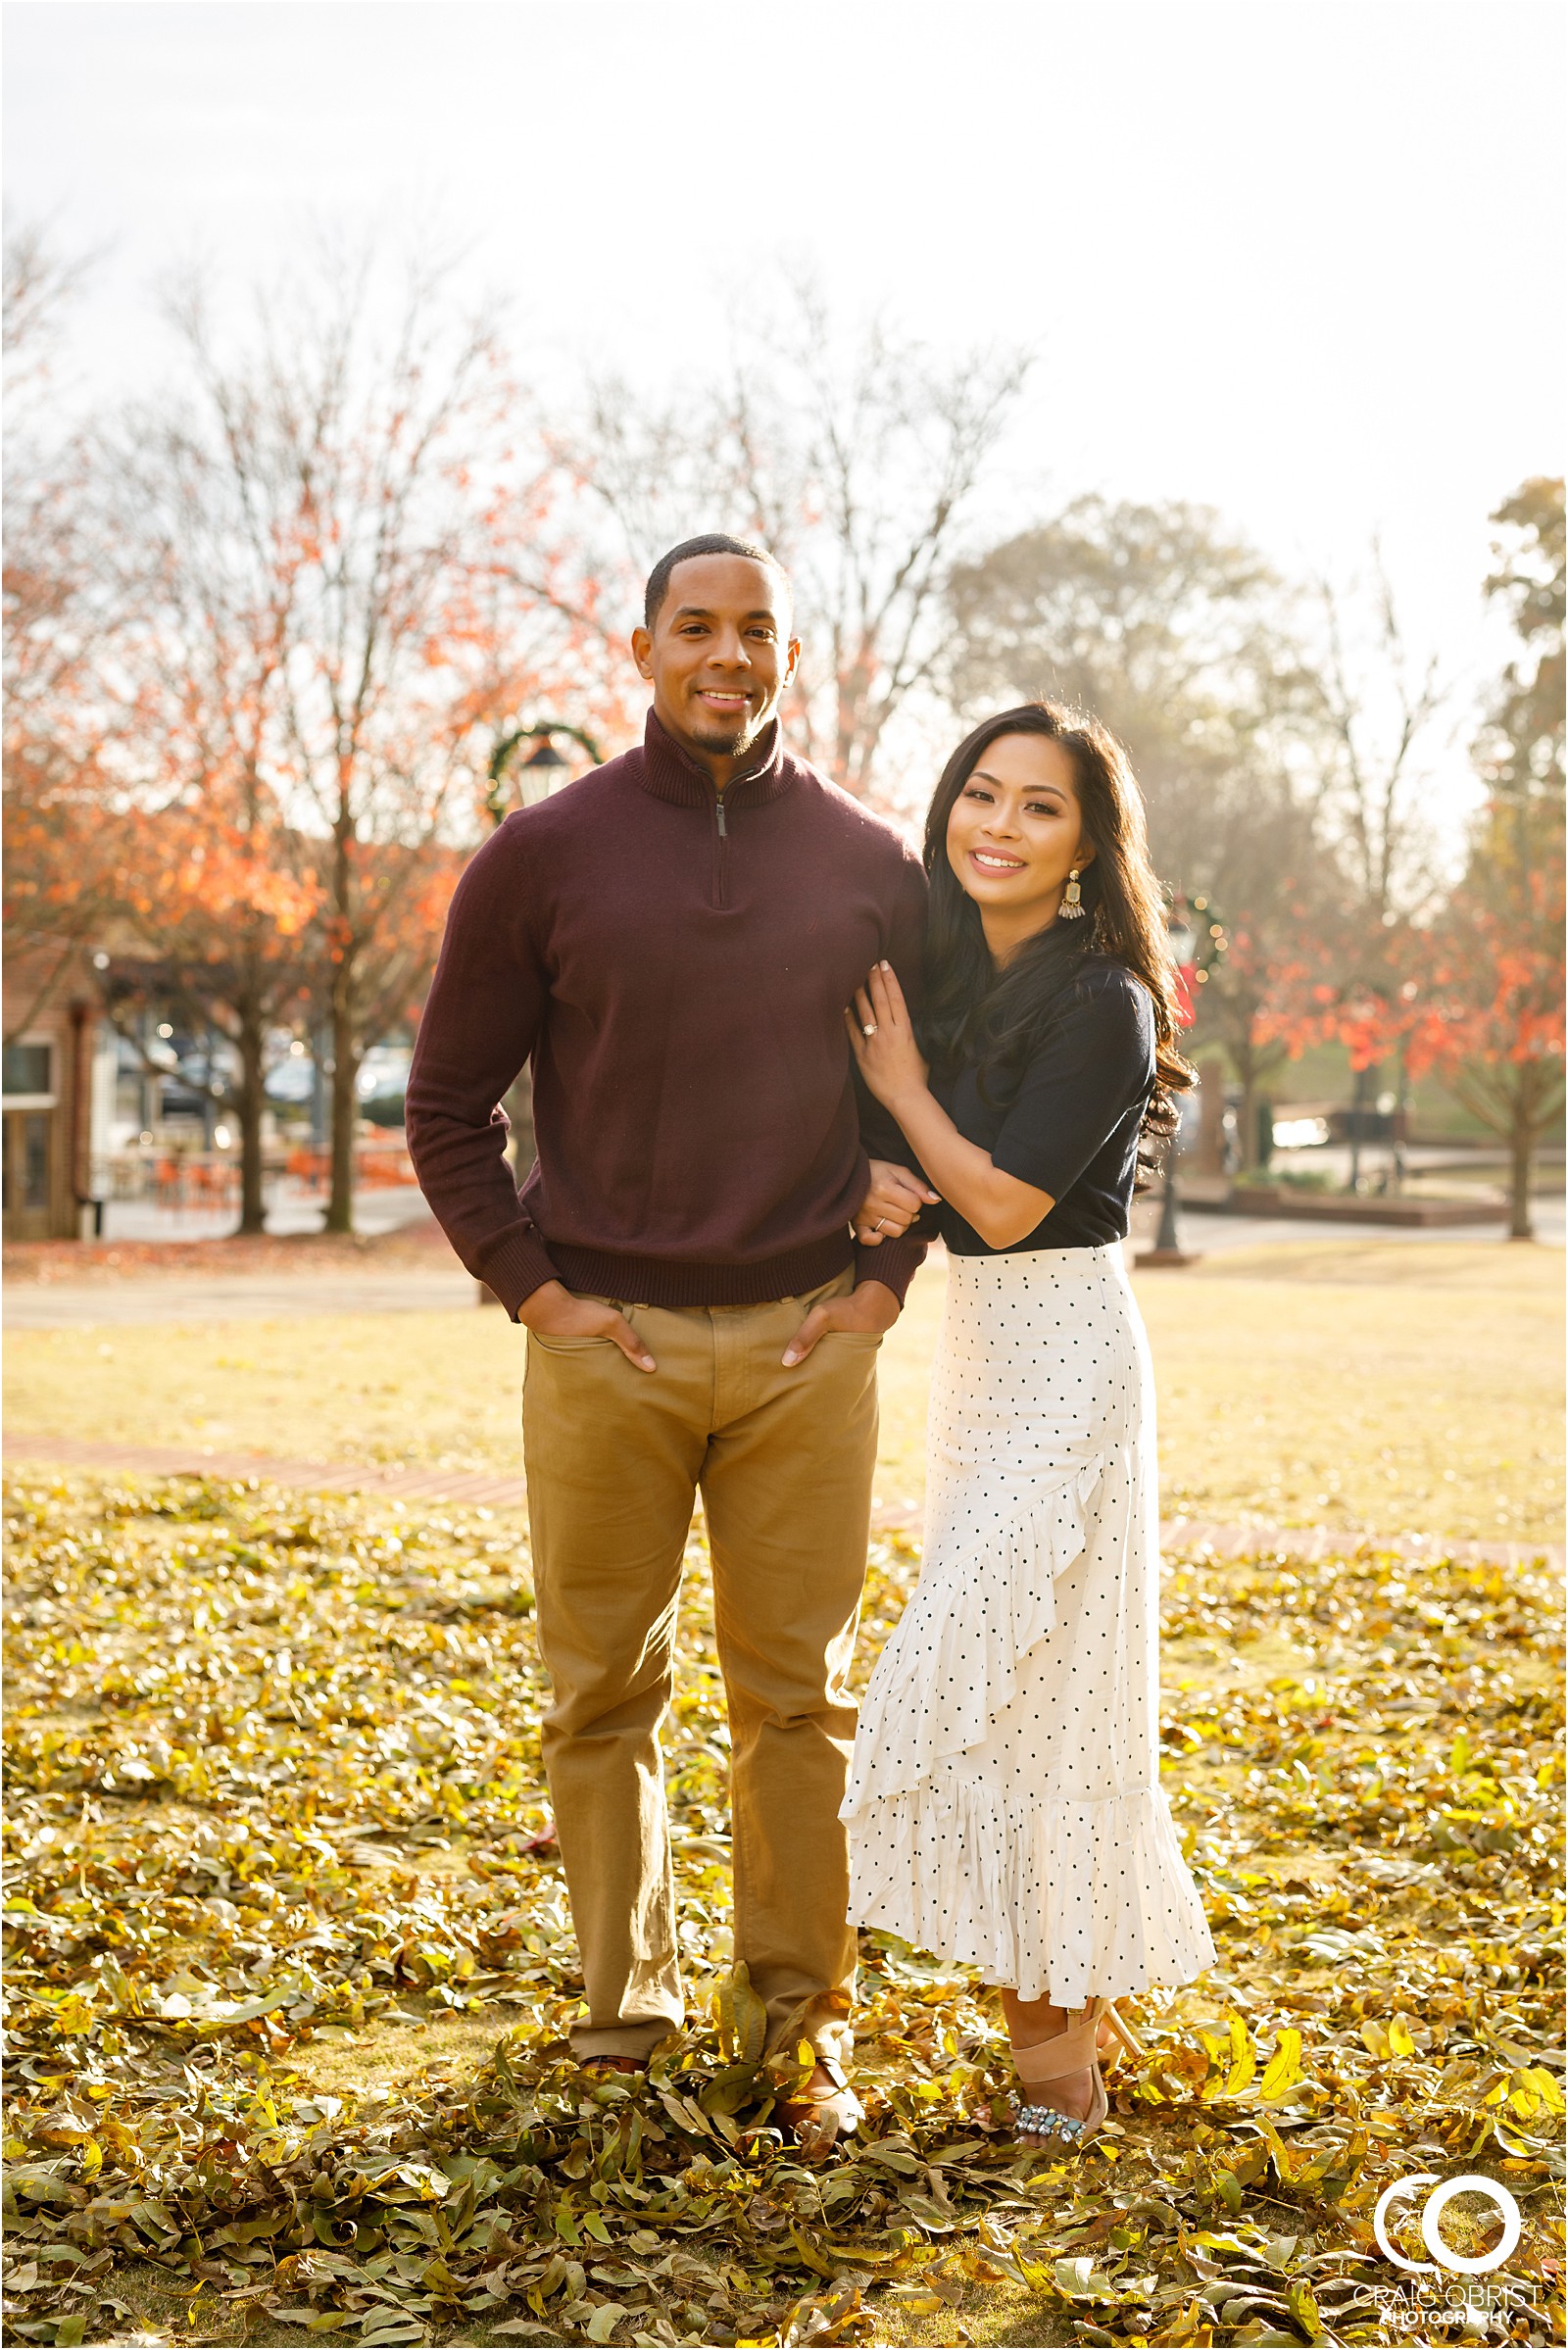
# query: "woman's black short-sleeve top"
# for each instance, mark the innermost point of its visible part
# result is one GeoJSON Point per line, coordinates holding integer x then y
{"type": "Point", "coordinates": [1067, 1120]}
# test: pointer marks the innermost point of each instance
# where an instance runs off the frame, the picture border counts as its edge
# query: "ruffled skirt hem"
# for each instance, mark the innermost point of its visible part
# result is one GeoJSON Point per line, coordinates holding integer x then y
{"type": "Point", "coordinates": [1058, 1900]}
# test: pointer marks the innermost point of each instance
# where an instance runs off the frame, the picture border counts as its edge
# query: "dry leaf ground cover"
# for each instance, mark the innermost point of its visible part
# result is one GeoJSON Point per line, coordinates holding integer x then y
{"type": "Point", "coordinates": [1366, 1385]}
{"type": "Point", "coordinates": [290, 1963]}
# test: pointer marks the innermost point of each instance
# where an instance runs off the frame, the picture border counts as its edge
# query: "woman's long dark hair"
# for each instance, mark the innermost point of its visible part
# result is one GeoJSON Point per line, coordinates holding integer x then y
{"type": "Point", "coordinates": [976, 1012]}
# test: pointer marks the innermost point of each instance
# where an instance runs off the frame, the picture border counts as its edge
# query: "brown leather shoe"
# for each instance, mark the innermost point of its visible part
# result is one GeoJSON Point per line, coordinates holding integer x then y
{"type": "Point", "coordinates": [821, 2111]}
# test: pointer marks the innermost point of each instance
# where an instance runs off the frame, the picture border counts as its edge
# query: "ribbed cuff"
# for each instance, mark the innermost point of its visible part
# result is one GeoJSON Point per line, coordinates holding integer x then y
{"type": "Point", "coordinates": [894, 1263]}
{"type": "Point", "coordinates": [519, 1266]}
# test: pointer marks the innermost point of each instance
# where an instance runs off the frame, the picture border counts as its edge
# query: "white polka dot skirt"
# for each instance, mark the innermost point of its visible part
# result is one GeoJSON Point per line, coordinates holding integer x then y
{"type": "Point", "coordinates": [1005, 1809]}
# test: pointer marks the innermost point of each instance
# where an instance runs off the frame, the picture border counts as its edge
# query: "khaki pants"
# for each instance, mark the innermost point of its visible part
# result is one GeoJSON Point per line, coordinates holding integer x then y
{"type": "Point", "coordinates": [784, 1461]}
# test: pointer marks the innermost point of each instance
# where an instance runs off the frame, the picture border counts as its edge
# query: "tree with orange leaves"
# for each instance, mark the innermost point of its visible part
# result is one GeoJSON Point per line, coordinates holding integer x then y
{"type": "Point", "coordinates": [1265, 999]}
{"type": "Point", "coordinates": [1343, 968]}
{"type": "Point", "coordinates": [214, 914]}
{"type": "Point", "coordinates": [58, 873]}
{"type": "Point", "coordinates": [1475, 989]}
{"type": "Point", "coordinates": [1489, 1013]}
{"type": "Point", "coordinates": [218, 896]}
{"type": "Point", "coordinates": [1490, 1017]}
{"type": "Point", "coordinates": [344, 561]}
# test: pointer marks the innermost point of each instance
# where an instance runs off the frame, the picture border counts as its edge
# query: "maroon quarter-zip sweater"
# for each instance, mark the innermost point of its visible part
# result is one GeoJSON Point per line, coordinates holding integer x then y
{"type": "Point", "coordinates": [675, 965]}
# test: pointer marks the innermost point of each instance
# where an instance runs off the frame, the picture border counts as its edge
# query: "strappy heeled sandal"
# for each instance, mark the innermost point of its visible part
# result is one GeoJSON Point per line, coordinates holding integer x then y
{"type": "Point", "coordinates": [819, 2117]}
{"type": "Point", "coordinates": [1073, 2050]}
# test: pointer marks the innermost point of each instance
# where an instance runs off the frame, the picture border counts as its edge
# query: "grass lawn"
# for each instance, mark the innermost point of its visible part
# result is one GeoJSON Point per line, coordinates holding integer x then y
{"type": "Point", "coordinates": [290, 1961]}
{"type": "Point", "coordinates": [1388, 1385]}
{"type": "Point", "coordinates": [1357, 1385]}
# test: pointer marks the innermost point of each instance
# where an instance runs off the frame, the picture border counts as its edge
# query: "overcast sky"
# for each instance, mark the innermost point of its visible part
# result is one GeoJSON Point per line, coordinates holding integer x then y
{"type": "Point", "coordinates": [1298, 259]}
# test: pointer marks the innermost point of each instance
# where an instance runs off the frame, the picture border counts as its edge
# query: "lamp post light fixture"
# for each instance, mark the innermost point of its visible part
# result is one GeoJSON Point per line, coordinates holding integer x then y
{"type": "Point", "coordinates": [542, 769]}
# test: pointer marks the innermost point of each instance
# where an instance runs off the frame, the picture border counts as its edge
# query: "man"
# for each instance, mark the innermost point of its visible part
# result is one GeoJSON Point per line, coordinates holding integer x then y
{"type": "Point", "coordinates": [672, 940]}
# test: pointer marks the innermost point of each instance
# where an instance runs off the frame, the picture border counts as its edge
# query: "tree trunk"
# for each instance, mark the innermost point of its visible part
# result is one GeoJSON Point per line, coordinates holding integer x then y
{"type": "Point", "coordinates": [1521, 1153]}
{"type": "Point", "coordinates": [252, 1107]}
{"type": "Point", "coordinates": [345, 1099]}
{"type": "Point", "coordinates": [1249, 1121]}
{"type": "Point", "coordinates": [1208, 1158]}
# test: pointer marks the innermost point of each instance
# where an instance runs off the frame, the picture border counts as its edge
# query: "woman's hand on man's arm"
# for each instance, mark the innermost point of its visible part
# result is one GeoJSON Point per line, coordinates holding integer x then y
{"type": "Point", "coordinates": [882, 1034]}
{"type": "Point", "coordinates": [1003, 1210]}
{"type": "Point", "coordinates": [894, 1198]}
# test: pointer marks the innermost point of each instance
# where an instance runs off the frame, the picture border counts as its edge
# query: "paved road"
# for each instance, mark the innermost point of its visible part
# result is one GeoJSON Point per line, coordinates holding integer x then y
{"type": "Point", "coordinates": [290, 1208]}
{"type": "Point", "coordinates": [224, 1297]}
{"type": "Point", "coordinates": [1209, 1229]}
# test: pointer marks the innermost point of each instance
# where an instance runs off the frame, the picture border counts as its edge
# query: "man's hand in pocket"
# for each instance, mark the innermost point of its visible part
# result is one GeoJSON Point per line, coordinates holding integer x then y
{"type": "Point", "coordinates": [871, 1309]}
{"type": "Point", "coordinates": [553, 1312]}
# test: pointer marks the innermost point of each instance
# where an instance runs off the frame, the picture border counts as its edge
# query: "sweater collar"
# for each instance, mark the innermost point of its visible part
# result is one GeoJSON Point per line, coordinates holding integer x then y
{"type": "Point", "coordinates": [670, 773]}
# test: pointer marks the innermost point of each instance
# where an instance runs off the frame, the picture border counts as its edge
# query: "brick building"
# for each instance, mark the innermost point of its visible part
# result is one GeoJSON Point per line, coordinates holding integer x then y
{"type": "Point", "coordinates": [53, 1071]}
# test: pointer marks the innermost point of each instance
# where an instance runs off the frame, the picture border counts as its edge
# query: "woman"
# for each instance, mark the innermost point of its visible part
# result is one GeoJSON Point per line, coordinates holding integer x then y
{"type": "Point", "coordinates": [1003, 1807]}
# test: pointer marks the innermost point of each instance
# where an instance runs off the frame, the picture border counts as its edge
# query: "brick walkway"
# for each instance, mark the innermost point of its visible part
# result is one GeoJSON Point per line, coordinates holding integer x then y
{"type": "Point", "coordinates": [482, 1489]}
{"type": "Point", "coordinates": [422, 1484]}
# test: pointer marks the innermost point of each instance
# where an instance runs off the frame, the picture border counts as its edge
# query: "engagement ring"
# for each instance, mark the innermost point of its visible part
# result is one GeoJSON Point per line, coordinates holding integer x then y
{"type": "Point", "coordinates": [870, 1028]}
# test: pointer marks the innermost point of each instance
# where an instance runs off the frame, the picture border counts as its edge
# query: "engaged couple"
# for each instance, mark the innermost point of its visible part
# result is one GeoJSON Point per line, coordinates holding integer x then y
{"type": "Point", "coordinates": [772, 1057]}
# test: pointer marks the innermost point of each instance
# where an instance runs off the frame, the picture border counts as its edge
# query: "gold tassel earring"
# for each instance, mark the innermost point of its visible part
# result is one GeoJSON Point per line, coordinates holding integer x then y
{"type": "Point", "coordinates": [1072, 904]}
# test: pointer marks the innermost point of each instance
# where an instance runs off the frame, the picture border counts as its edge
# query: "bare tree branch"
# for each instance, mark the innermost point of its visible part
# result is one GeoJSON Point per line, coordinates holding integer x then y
{"type": "Point", "coordinates": [857, 458]}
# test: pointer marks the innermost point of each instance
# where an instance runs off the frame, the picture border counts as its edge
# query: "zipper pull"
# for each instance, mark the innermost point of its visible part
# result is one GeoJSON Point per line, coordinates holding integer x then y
{"type": "Point", "coordinates": [723, 829]}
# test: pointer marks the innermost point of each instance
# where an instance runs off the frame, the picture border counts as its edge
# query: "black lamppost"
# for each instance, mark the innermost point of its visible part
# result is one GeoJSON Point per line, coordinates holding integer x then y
{"type": "Point", "coordinates": [1167, 1248]}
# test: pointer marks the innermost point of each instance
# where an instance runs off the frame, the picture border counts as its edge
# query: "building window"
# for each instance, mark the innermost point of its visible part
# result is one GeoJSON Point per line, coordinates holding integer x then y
{"type": "Point", "coordinates": [27, 1070]}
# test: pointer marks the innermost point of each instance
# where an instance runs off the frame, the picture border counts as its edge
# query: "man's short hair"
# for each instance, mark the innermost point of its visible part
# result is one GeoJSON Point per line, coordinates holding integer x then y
{"type": "Point", "coordinates": [713, 542]}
